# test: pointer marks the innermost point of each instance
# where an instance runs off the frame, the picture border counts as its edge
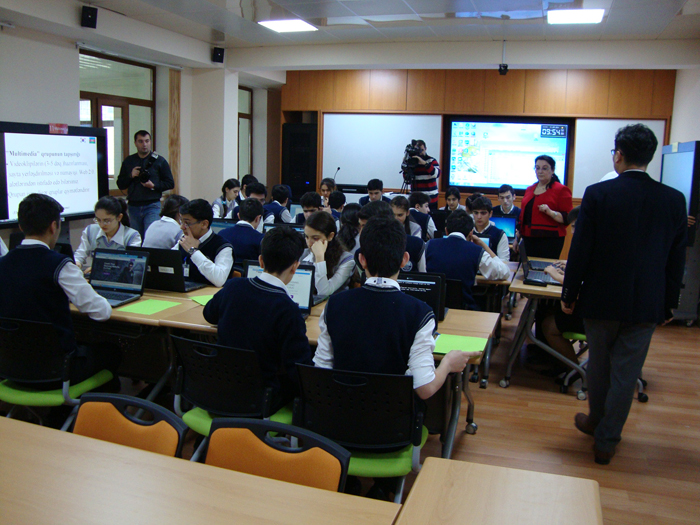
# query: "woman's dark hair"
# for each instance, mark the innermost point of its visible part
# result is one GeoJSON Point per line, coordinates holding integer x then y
{"type": "Point", "coordinates": [328, 182]}
{"type": "Point", "coordinates": [171, 205]}
{"type": "Point", "coordinates": [115, 207]}
{"type": "Point", "coordinates": [402, 202]}
{"type": "Point", "coordinates": [349, 225]}
{"type": "Point", "coordinates": [453, 192]}
{"type": "Point", "coordinates": [325, 223]}
{"type": "Point", "coordinates": [229, 185]}
{"type": "Point", "coordinates": [552, 164]}
{"type": "Point", "coordinates": [573, 215]}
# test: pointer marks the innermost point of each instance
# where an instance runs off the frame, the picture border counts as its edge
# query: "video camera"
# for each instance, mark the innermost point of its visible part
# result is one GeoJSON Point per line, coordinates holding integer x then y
{"type": "Point", "coordinates": [409, 162]}
{"type": "Point", "coordinates": [143, 171]}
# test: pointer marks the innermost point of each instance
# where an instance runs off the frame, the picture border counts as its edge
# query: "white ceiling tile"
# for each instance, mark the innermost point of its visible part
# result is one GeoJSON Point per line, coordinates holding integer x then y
{"type": "Point", "coordinates": [320, 10]}
{"type": "Point", "coordinates": [507, 5]}
{"type": "Point", "coordinates": [440, 6]}
{"type": "Point", "coordinates": [378, 7]}
{"type": "Point", "coordinates": [687, 26]}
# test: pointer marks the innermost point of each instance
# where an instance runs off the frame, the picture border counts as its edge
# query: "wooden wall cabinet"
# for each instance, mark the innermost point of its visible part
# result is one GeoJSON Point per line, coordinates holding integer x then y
{"type": "Point", "coordinates": [351, 90]}
{"type": "Point", "coordinates": [630, 92]}
{"type": "Point", "coordinates": [387, 89]}
{"type": "Point", "coordinates": [545, 91]}
{"type": "Point", "coordinates": [587, 92]}
{"type": "Point", "coordinates": [425, 90]}
{"type": "Point", "coordinates": [464, 90]}
{"type": "Point", "coordinates": [316, 89]}
{"type": "Point", "coordinates": [504, 94]}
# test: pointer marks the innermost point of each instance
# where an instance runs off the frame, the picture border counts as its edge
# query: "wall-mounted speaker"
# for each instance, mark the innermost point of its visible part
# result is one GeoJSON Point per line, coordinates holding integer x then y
{"type": "Point", "coordinates": [217, 55]}
{"type": "Point", "coordinates": [89, 17]}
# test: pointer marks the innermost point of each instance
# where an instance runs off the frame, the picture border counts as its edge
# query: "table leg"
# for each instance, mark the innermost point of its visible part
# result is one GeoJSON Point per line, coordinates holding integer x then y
{"type": "Point", "coordinates": [456, 405]}
{"type": "Point", "coordinates": [526, 320]}
{"type": "Point", "coordinates": [471, 426]}
{"type": "Point", "coordinates": [487, 364]}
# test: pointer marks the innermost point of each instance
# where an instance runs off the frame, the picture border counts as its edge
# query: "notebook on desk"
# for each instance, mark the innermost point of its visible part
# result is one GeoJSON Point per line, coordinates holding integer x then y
{"type": "Point", "coordinates": [119, 275]}
{"type": "Point", "coordinates": [300, 288]}
{"type": "Point", "coordinates": [428, 287]}
{"type": "Point", "coordinates": [165, 271]}
{"type": "Point", "coordinates": [507, 224]}
{"type": "Point", "coordinates": [531, 276]}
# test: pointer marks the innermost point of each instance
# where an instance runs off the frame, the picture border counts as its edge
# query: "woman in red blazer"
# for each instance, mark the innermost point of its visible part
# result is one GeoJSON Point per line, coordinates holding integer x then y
{"type": "Point", "coordinates": [543, 212]}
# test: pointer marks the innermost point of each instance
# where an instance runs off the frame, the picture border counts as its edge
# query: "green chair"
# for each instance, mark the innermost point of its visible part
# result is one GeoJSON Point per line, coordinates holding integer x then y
{"type": "Point", "coordinates": [220, 382]}
{"type": "Point", "coordinates": [377, 417]}
{"type": "Point", "coordinates": [31, 355]}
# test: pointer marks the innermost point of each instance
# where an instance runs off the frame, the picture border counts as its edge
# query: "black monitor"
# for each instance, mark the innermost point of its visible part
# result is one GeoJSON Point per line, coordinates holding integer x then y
{"type": "Point", "coordinates": [428, 287]}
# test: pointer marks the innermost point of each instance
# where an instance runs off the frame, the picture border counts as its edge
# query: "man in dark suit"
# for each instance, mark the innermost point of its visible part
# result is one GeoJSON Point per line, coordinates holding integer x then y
{"type": "Point", "coordinates": [625, 269]}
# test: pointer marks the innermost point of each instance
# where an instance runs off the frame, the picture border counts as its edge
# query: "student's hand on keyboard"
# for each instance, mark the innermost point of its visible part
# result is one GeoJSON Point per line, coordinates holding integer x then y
{"type": "Point", "coordinates": [554, 271]}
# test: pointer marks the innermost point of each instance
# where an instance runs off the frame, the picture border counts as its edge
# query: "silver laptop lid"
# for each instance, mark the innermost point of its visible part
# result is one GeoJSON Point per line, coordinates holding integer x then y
{"type": "Point", "coordinates": [299, 288]}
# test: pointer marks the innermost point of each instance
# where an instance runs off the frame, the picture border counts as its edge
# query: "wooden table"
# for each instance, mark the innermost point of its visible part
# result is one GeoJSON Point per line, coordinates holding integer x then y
{"type": "Point", "coordinates": [55, 477]}
{"type": "Point", "coordinates": [457, 492]}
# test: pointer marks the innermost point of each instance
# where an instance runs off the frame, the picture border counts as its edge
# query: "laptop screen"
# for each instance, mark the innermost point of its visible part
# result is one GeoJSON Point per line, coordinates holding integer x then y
{"type": "Point", "coordinates": [428, 287]}
{"type": "Point", "coordinates": [294, 209]}
{"type": "Point", "coordinates": [507, 224]}
{"type": "Point", "coordinates": [117, 269]}
{"type": "Point", "coordinates": [297, 227]}
{"type": "Point", "coordinates": [299, 287]}
{"type": "Point", "coordinates": [221, 224]}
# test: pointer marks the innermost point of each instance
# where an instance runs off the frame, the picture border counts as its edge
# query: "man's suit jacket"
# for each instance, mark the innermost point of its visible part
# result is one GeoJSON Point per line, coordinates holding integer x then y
{"type": "Point", "coordinates": [628, 252]}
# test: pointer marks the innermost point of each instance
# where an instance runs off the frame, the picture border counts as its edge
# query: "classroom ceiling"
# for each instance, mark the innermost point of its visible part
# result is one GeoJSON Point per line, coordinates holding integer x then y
{"type": "Point", "coordinates": [233, 23]}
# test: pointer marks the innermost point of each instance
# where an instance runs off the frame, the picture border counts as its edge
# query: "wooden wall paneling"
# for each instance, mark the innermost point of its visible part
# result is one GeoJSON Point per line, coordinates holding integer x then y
{"type": "Point", "coordinates": [504, 94]}
{"type": "Point", "coordinates": [545, 91]}
{"type": "Point", "coordinates": [351, 89]}
{"type": "Point", "coordinates": [464, 90]}
{"type": "Point", "coordinates": [174, 142]}
{"type": "Point", "coordinates": [663, 92]}
{"type": "Point", "coordinates": [425, 90]}
{"type": "Point", "coordinates": [316, 90]}
{"type": "Point", "coordinates": [290, 91]}
{"type": "Point", "coordinates": [387, 89]}
{"type": "Point", "coordinates": [630, 93]}
{"type": "Point", "coordinates": [587, 92]}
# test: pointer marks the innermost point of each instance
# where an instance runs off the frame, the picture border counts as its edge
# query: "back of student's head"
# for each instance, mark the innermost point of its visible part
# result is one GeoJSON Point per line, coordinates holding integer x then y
{"type": "Point", "coordinates": [250, 209]}
{"type": "Point", "coordinates": [505, 188]}
{"type": "Point", "coordinates": [374, 209]}
{"type": "Point", "coordinates": [418, 198]}
{"type": "Point", "coordinates": [336, 199]}
{"type": "Point", "coordinates": [198, 209]}
{"type": "Point", "coordinates": [383, 242]}
{"type": "Point", "coordinates": [459, 221]}
{"type": "Point", "coordinates": [637, 143]}
{"type": "Point", "coordinates": [400, 202]}
{"type": "Point", "coordinates": [572, 216]}
{"type": "Point", "coordinates": [280, 193]}
{"type": "Point", "coordinates": [482, 203]}
{"type": "Point", "coordinates": [229, 185]}
{"type": "Point", "coordinates": [36, 212]}
{"type": "Point", "coordinates": [248, 179]}
{"type": "Point", "coordinates": [310, 199]}
{"type": "Point", "coordinates": [375, 184]}
{"type": "Point", "coordinates": [349, 225]}
{"type": "Point", "coordinates": [453, 192]}
{"type": "Point", "coordinates": [171, 205]}
{"type": "Point", "coordinates": [280, 248]}
{"type": "Point", "coordinates": [470, 200]}
{"type": "Point", "coordinates": [255, 188]}
{"type": "Point", "coordinates": [114, 206]}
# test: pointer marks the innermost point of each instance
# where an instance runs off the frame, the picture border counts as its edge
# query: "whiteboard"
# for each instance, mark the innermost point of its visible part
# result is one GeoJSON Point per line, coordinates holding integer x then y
{"type": "Point", "coordinates": [368, 147]}
{"type": "Point", "coordinates": [594, 140]}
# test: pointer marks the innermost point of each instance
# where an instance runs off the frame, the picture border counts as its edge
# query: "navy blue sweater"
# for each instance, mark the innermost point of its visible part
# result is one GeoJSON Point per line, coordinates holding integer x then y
{"type": "Point", "coordinates": [210, 248]}
{"type": "Point", "coordinates": [457, 259]}
{"type": "Point", "coordinates": [245, 241]}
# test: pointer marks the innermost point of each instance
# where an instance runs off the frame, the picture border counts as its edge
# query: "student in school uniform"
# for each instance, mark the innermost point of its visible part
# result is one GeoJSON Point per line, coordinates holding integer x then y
{"type": "Point", "coordinates": [38, 284]}
{"type": "Point", "coordinates": [452, 199]}
{"type": "Point", "coordinates": [334, 266]}
{"type": "Point", "coordinates": [325, 189]}
{"type": "Point", "coordinates": [255, 190]}
{"type": "Point", "coordinates": [496, 238]}
{"type": "Point", "coordinates": [277, 331]}
{"type": "Point", "coordinates": [166, 232]}
{"type": "Point", "coordinates": [244, 236]}
{"type": "Point", "coordinates": [227, 200]}
{"type": "Point", "coordinates": [375, 189]}
{"type": "Point", "coordinates": [245, 180]}
{"type": "Point", "coordinates": [111, 230]}
{"type": "Point", "coordinates": [420, 210]}
{"type": "Point", "coordinates": [278, 205]}
{"type": "Point", "coordinates": [401, 208]}
{"type": "Point", "coordinates": [206, 257]}
{"type": "Point", "coordinates": [461, 254]}
{"type": "Point", "coordinates": [349, 232]}
{"type": "Point", "coordinates": [506, 208]}
{"type": "Point", "coordinates": [414, 243]}
{"type": "Point", "coordinates": [336, 203]}
{"type": "Point", "coordinates": [310, 203]}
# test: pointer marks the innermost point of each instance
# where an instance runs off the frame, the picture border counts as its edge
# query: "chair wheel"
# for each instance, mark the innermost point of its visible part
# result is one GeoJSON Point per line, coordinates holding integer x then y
{"type": "Point", "coordinates": [564, 389]}
{"type": "Point", "coordinates": [581, 395]}
{"type": "Point", "coordinates": [508, 317]}
{"type": "Point", "coordinates": [643, 398]}
{"type": "Point", "coordinates": [504, 383]}
{"type": "Point", "coordinates": [689, 323]}
{"type": "Point", "coordinates": [471, 428]}
{"type": "Point", "coordinates": [484, 383]}
{"type": "Point", "coordinates": [644, 382]}
{"type": "Point", "coordinates": [474, 377]}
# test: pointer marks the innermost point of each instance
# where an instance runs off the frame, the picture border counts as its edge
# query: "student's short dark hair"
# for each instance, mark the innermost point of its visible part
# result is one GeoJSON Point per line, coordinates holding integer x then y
{"type": "Point", "coordinates": [482, 203]}
{"type": "Point", "coordinates": [114, 206]}
{"type": "Point", "coordinates": [171, 205]}
{"type": "Point", "coordinates": [310, 199]}
{"type": "Point", "coordinates": [141, 133]}
{"type": "Point", "coordinates": [198, 209]}
{"type": "Point", "coordinates": [459, 221]}
{"type": "Point", "coordinates": [336, 199]}
{"type": "Point", "coordinates": [375, 209]}
{"type": "Point", "coordinates": [453, 192]}
{"type": "Point", "coordinates": [505, 188]}
{"type": "Point", "coordinates": [280, 193]}
{"type": "Point", "coordinates": [418, 198]}
{"type": "Point", "coordinates": [36, 212]}
{"type": "Point", "coordinates": [281, 247]}
{"type": "Point", "coordinates": [248, 179]}
{"type": "Point", "coordinates": [573, 215]}
{"type": "Point", "coordinates": [400, 202]}
{"type": "Point", "coordinates": [637, 143]}
{"type": "Point", "coordinates": [469, 200]}
{"type": "Point", "coordinates": [255, 187]}
{"type": "Point", "coordinates": [383, 242]}
{"type": "Point", "coordinates": [375, 184]}
{"type": "Point", "coordinates": [249, 209]}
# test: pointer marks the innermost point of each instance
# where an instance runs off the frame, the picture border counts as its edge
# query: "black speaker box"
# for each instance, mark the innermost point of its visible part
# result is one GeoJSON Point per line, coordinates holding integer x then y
{"type": "Point", "coordinates": [217, 55]}
{"type": "Point", "coordinates": [299, 157]}
{"type": "Point", "coordinates": [89, 17]}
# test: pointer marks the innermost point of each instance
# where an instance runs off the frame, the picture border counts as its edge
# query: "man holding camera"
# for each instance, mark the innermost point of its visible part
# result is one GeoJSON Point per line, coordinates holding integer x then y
{"type": "Point", "coordinates": [425, 174]}
{"type": "Point", "coordinates": [146, 175]}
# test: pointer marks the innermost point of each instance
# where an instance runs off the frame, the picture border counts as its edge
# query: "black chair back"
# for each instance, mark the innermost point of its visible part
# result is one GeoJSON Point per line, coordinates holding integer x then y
{"type": "Point", "coordinates": [359, 410]}
{"type": "Point", "coordinates": [30, 352]}
{"type": "Point", "coordinates": [222, 380]}
{"type": "Point", "coordinates": [454, 298]}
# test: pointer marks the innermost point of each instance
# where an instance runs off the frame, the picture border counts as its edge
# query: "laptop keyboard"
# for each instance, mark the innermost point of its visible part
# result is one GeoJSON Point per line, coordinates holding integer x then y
{"type": "Point", "coordinates": [115, 296]}
{"type": "Point", "coordinates": [541, 276]}
{"type": "Point", "coordinates": [538, 265]}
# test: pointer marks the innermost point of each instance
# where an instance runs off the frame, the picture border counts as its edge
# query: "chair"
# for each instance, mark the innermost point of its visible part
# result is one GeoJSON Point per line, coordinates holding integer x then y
{"type": "Point", "coordinates": [105, 417]}
{"type": "Point", "coordinates": [220, 381]}
{"type": "Point", "coordinates": [31, 354]}
{"type": "Point", "coordinates": [245, 445]}
{"type": "Point", "coordinates": [369, 414]}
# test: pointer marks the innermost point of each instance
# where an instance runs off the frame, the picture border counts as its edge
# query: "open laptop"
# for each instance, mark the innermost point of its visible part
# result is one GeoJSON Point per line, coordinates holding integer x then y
{"type": "Point", "coordinates": [440, 218]}
{"type": "Point", "coordinates": [507, 224]}
{"type": "Point", "coordinates": [300, 288]}
{"type": "Point", "coordinates": [428, 287]}
{"type": "Point", "coordinates": [295, 209]}
{"type": "Point", "coordinates": [532, 265]}
{"type": "Point", "coordinates": [165, 272]}
{"type": "Point", "coordinates": [119, 275]}
{"type": "Point", "coordinates": [221, 224]}
{"type": "Point", "coordinates": [536, 277]}
{"type": "Point", "coordinates": [297, 227]}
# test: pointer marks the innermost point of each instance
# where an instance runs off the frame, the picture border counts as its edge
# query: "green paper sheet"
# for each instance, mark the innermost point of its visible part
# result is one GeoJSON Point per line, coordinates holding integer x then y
{"type": "Point", "coordinates": [445, 342]}
{"type": "Point", "coordinates": [202, 299]}
{"type": "Point", "coordinates": [148, 306]}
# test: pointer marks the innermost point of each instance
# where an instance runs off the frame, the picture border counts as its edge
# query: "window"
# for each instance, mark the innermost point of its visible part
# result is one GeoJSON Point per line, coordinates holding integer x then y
{"type": "Point", "coordinates": [245, 131]}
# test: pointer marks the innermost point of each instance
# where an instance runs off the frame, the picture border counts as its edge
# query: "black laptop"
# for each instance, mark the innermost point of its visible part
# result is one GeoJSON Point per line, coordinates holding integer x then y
{"type": "Point", "coordinates": [300, 288]}
{"type": "Point", "coordinates": [119, 275]}
{"type": "Point", "coordinates": [270, 226]}
{"type": "Point", "coordinates": [532, 265]}
{"type": "Point", "coordinates": [428, 287]}
{"type": "Point", "coordinates": [165, 271]}
{"type": "Point", "coordinates": [532, 276]}
{"type": "Point", "coordinates": [440, 219]}
{"type": "Point", "coordinates": [221, 224]}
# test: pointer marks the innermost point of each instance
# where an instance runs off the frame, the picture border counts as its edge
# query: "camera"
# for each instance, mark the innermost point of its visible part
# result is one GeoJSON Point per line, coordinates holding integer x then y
{"type": "Point", "coordinates": [409, 162]}
{"type": "Point", "coordinates": [150, 161]}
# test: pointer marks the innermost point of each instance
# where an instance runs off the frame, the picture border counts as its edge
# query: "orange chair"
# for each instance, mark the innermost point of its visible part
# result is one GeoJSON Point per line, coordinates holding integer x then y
{"type": "Point", "coordinates": [245, 445]}
{"type": "Point", "coordinates": [105, 417]}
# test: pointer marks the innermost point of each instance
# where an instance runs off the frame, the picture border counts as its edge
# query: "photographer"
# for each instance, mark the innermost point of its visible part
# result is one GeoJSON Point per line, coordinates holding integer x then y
{"type": "Point", "coordinates": [425, 173]}
{"type": "Point", "coordinates": [146, 175]}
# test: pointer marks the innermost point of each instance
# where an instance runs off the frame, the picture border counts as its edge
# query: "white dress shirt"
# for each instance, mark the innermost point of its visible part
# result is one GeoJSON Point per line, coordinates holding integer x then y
{"type": "Point", "coordinates": [502, 250]}
{"type": "Point", "coordinates": [491, 268]}
{"type": "Point", "coordinates": [218, 270]}
{"type": "Point", "coordinates": [116, 242]}
{"type": "Point", "coordinates": [324, 285]}
{"type": "Point", "coordinates": [272, 280]}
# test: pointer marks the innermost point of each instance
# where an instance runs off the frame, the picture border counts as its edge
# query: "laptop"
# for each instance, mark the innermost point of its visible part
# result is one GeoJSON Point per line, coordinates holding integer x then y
{"type": "Point", "coordinates": [428, 287]}
{"type": "Point", "coordinates": [297, 227]}
{"type": "Point", "coordinates": [221, 224]}
{"type": "Point", "coordinates": [295, 209]}
{"type": "Point", "coordinates": [507, 224]}
{"type": "Point", "coordinates": [300, 288]}
{"type": "Point", "coordinates": [534, 277]}
{"type": "Point", "coordinates": [440, 218]}
{"type": "Point", "coordinates": [119, 275]}
{"type": "Point", "coordinates": [532, 265]}
{"type": "Point", "coordinates": [165, 272]}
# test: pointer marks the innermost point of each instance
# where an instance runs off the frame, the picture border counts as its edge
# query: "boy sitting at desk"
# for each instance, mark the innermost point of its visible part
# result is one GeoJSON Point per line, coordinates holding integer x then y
{"type": "Point", "coordinates": [278, 332]}
{"type": "Point", "coordinates": [375, 192]}
{"type": "Point", "coordinates": [461, 254]}
{"type": "Point", "coordinates": [206, 256]}
{"type": "Point", "coordinates": [278, 205]}
{"type": "Point", "coordinates": [482, 210]}
{"type": "Point", "coordinates": [310, 203]}
{"type": "Point", "coordinates": [420, 210]}
{"type": "Point", "coordinates": [255, 190]}
{"type": "Point", "coordinates": [244, 235]}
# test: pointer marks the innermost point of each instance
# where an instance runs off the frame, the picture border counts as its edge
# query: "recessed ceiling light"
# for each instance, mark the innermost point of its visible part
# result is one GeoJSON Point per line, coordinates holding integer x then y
{"type": "Point", "coordinates": [575, 16]}
{"type": "Point", "coordinates": [288, 26]}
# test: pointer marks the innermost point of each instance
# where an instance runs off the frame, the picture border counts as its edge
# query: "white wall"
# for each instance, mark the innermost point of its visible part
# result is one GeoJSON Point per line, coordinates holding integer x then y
{"type": "Point", "coordinates": [260, 135]}
{"type": "Point", "coordinates": [685, 125]}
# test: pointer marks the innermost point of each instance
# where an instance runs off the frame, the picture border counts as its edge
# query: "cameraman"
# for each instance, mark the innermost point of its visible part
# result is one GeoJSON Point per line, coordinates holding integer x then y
{"type": "Point", "coordinates": [425, 174]}
{"type": "Point", "coordinates": [146, 175]}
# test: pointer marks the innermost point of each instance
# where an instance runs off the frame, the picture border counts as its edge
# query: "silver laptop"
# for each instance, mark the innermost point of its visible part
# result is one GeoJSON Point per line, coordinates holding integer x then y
{"type": "Point", "coordinates": [119, 275]}
{"type": "Point", "coordinates": [300, 287]}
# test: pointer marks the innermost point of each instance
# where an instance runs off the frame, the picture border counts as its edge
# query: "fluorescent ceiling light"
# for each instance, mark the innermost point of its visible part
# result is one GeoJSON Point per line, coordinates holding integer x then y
{"type": "Point", "coordinates": [288, 26]}
{"type": "Point", "coordinates": [575, 16]}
